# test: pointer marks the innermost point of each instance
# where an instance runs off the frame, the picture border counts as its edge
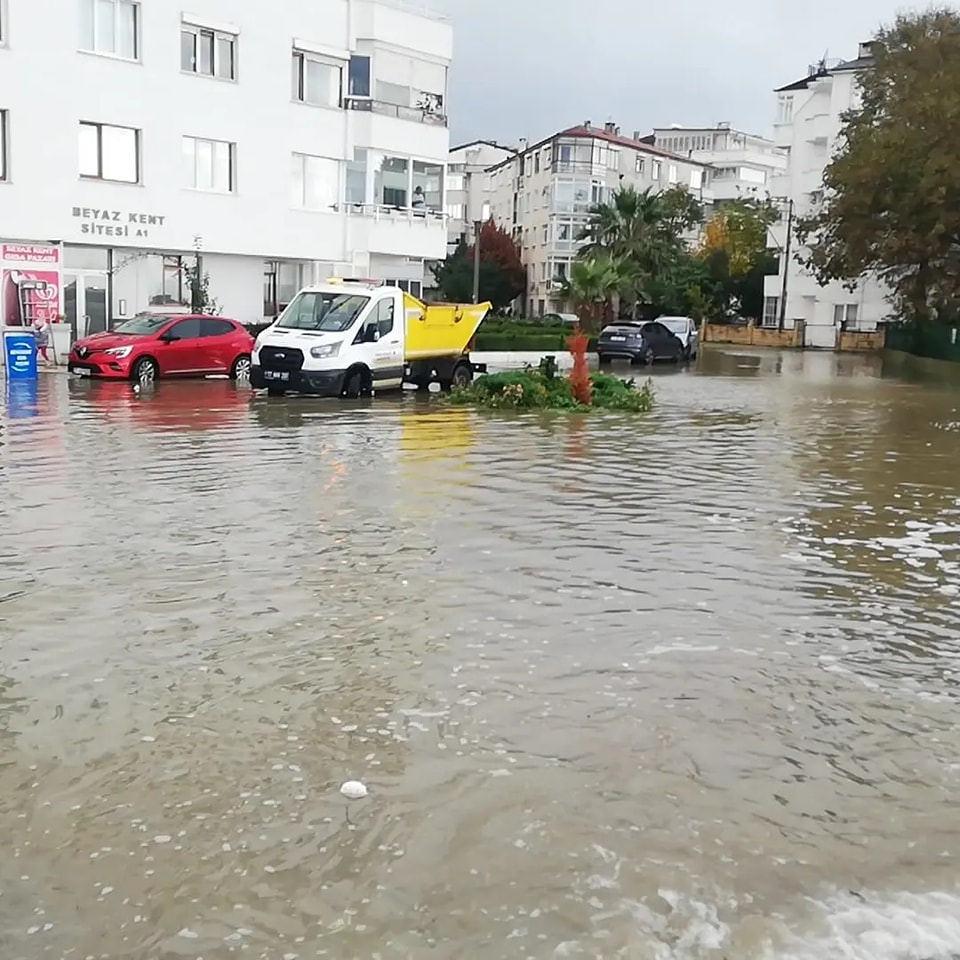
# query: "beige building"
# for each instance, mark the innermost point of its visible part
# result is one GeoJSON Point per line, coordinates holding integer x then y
{"type": "Point", "coordinates": [543, 196]}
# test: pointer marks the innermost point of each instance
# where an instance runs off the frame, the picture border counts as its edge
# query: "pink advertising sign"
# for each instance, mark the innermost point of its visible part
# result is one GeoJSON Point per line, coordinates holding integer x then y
{"type": "Point", "coordinates": [29, 253]}
{"type": "Point", "coordinates": [30, 297]}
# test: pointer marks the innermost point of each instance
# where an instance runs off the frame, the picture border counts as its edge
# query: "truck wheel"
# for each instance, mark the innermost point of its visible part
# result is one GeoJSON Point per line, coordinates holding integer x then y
{"type": "Point", "coordinates": [357, 384]}
{"type": "Point", "coordinates": [461, 377]}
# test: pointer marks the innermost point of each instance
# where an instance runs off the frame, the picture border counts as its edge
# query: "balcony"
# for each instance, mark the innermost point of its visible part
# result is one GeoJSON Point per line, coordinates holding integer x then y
{"type": "Point", "coordinates": [816, 128]}
{"type": "Point", "coordinates": [421, 234]}
{"type": "Point", "coordinates": [428, 111]}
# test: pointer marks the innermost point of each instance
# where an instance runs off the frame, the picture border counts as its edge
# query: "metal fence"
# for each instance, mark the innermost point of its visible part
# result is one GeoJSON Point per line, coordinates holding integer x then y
{"type": "Point", "coordinates": [938, 341]}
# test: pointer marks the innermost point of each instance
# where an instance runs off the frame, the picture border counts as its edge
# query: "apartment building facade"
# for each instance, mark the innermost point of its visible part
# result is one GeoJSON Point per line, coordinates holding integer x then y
{"type": "Point", "coordinates": [468, 187]}
{"type": "Point", "coordinates": [742, 164]}
{"type": "Point", "coordinates": [808, 126]}
{"type": "Point", "coordinates": [281, 142]}
{"type": "Point", "coordinates": [543, 195]}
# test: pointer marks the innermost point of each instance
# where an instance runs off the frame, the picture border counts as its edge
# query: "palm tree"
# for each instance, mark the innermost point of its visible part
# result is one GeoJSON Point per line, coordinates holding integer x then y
{"type": "Point", "coordinates": [641, 228]}
{"type": "Point", "coordinates": [595, 281]}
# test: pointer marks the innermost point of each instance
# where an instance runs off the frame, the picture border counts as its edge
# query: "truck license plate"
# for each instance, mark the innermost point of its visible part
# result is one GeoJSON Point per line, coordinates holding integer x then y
{"type": "Point", "coordinates": [282, 375]}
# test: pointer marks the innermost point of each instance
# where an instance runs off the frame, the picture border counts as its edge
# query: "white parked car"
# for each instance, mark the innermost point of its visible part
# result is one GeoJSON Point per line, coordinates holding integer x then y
{"type": "Point", "coordinates": [685, 329]}
{"type": "Point", "coordinates": [570, 319]}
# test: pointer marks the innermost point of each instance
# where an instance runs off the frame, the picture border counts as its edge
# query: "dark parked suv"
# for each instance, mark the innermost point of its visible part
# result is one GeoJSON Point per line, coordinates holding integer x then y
{"type": "Point", "coordinates": [639, 343]}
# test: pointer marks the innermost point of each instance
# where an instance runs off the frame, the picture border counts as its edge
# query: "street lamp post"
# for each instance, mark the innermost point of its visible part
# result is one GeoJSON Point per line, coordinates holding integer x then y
{"type": "Point", "coordinates": [477, 229]}
{"type": "Point", "coordinates": [786, 268]}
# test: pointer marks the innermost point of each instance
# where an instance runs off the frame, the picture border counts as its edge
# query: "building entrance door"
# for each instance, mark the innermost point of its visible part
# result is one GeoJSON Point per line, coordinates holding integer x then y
{"type": "Point", "coordinates": [85, 302]}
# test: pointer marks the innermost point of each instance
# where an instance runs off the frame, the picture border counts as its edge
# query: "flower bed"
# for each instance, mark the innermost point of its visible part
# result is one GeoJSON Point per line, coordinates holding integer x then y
{"type": "Point", "coordinates": [539, 390]}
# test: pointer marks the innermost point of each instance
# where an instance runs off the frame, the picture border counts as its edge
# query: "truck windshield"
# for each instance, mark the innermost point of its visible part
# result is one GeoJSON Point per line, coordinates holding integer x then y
{"type": "Point", "coordinates": [327, 312]}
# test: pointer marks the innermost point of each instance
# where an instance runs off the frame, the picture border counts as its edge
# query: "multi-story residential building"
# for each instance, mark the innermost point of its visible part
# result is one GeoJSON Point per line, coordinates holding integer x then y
{"type": "Point", "coordinates": [808, 125]}
{"type": "Point", "coordinates": [468, 186]}
{"type": "Point", "coordinates": [742, 164]}
{"type": "Point", "coordinates": [284, 141]}
{"type": "Point", "coordinates": [544, 194]}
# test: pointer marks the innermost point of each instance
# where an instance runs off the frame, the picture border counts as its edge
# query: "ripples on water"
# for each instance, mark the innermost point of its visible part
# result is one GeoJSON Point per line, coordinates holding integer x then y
{"type": "Point", "coordinates": [680, 686]}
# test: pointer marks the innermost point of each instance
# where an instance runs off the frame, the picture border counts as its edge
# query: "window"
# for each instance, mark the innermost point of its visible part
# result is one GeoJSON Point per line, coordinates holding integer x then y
{"type": "Point", "coordinates": [326, 312]}
{"type": "Point", "coordinates": [356, 184]}
{"type": "Point", "coordinates": [316, 80]}
{"type": "Point", "coordinates": [613, 160]}
{"type": "Point", "coordinates": [845, 316]}
{"type": "Point", "coordinates": [215, 328]}
{"type": "Point", "coordinates": [358, 78]}
{"type": "Point", "coordinates": [785, 110]}
{"type": "Point", "coordinates": [208, 52]}
{"type": "Point", "coordinates": [455, 211]}
{"type": "Point", "coordinates": [109, 153]}
{"type": "Point", "coordinates": [771, 311]}
{"type": "Point", "coordinates": [281, 283]}
{"type": "Point", "coordinates": [315, 182]}
{"type": "Point", "coordinates": [696, 179]}
{"type": "Point", "coordinates": [546, 232]}
{"type": "Point", "coordinates": [186, 329]}
{"type": "Point", "coordinates": [656, 169]}
{"type": "Point", "coordinates": [392, 183]}
{"type": "Point", "coordinates": [405, 81]}
{"type": "Point", "coordinates": [454, 181]}
{"type": "Point", "coordinates": [209, 165]}
{"type": "Point", "coordinates": [528, 165]}
{"type": "Point", "coordinates": [385, 317]}
{"type": "Point", "coordinates": [4, 163]}
{"type": "Point", "coordinates": [427, 186]}
{"type": "Point", "coordinates": [3, 22]}
{"type": "Point", "coordinates": [674, 175]}
{"type": "Point", "coordinates": [110, 27]}
{"type": "Point", "coordinates": [639, 164]}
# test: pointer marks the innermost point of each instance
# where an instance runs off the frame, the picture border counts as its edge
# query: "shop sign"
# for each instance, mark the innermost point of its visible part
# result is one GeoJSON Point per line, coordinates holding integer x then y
{"type": "Point", "coordinates": [29, 253]}
{"type": "Point", "coordinates": [98, 222]}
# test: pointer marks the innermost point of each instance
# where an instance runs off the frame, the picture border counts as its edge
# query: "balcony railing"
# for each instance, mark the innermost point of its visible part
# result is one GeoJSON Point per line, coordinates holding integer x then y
{"type": "Point", "coordinates": [425, 114]}
{"type": "Point", "coordinates": [379, 211]}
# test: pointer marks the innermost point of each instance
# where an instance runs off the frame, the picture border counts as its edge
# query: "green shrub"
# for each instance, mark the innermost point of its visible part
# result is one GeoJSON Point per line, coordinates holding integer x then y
{"type": "Point", "coordinates": [612, 393]}
{"type": "Point", "coordinates": [531, 389]}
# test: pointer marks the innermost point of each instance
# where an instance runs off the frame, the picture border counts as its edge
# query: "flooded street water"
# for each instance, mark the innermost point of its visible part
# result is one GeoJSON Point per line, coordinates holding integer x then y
{"type": "Point", "coordinates": [681, 686]}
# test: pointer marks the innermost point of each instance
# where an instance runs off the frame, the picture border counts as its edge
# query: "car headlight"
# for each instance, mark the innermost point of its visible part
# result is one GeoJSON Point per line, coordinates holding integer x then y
{"type": "Point", "coordinates": [325, 350]}
{"type": "Point", "coordinates": [119, 352]}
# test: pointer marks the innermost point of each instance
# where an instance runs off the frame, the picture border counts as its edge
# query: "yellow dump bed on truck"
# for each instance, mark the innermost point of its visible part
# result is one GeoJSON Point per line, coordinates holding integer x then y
{"type": "Point", "coordinates": [441, 329]}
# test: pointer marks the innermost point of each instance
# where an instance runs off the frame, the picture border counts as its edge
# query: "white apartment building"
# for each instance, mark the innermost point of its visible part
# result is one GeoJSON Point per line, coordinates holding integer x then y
{"type": "Point", "coordinates": [284, 141]}
{"type": "Point", "coordinates": [544, 194]}
{"type": "Point", "coordinates": [808, 125]}
{"type": "Point", "coordinates": [468, 187]}
{"type": "Point", "coordinates": [742, 164]}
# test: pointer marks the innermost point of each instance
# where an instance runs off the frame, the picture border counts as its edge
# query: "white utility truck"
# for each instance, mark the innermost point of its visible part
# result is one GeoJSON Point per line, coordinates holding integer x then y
{"type": "Point", "coordinates": [352, 338]}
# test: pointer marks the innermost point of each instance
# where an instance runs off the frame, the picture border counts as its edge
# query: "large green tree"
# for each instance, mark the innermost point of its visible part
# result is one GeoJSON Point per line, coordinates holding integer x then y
{"type": "Point", "coordinates": [891, 205]}
{"type": "Point", "coordinates": [502, 275]}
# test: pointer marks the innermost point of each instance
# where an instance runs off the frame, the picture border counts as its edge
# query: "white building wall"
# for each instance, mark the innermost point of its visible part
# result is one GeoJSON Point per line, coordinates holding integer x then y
{"type": "Point", "coordinates": [48, 86]}
{"type": "Point", "coordinates": [808, 127]}
{"type": "Point", "coordinates": [742, 164]}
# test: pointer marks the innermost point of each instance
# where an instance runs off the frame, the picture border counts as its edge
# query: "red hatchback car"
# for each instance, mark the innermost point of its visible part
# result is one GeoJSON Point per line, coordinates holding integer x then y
{"type": "Point", "coordinates": [159, 345]}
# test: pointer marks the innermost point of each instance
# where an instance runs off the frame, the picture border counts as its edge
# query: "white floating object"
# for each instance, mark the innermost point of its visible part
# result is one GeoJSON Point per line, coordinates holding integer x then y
{"type": "Point", "coordinates": [354, 790]}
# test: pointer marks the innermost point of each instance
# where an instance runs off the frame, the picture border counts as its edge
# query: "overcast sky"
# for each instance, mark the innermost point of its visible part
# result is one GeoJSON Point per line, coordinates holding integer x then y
{"type": "Point", "coordinates": [527, 68]}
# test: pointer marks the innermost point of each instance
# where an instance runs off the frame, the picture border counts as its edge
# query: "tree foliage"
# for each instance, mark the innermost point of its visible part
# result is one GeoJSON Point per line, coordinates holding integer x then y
{"type": "Point", "coordinates": [739, 230]}
{"type": "Point", "coordinates": [502, 276]}
{"type": "Point", "coordinates": [891, 202]}
{"type": "Point", "coordinates": [595, 281]}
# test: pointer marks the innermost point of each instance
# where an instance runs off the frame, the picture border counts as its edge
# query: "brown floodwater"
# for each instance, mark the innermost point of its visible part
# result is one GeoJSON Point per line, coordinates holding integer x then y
{"type": "Point", "coordinates": [682, 685]}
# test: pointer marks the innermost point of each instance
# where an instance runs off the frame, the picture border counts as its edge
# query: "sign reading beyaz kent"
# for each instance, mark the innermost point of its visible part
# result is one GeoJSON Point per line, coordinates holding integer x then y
{"type": "Point", "coordinates": [98, 222]}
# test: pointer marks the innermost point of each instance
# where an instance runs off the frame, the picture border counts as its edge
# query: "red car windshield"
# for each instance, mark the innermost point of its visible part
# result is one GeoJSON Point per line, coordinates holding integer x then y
{"type": "Point", "coordinates": [146, 323]}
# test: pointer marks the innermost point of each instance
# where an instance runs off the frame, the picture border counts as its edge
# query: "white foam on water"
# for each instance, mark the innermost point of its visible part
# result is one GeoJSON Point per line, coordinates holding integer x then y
{"type": "Point", "coordinates": [905, 926]}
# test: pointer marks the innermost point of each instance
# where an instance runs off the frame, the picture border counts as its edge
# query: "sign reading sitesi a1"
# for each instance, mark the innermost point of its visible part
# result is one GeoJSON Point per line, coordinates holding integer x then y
{"type": "Point", "coordinates": [29, 253]}
{"type": "Point", "coordinates": [100, 222]}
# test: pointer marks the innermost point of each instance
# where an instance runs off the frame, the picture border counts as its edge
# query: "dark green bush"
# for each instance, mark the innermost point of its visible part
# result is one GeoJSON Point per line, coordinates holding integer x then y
{"type": "Point", "coordinates": [530, 389]}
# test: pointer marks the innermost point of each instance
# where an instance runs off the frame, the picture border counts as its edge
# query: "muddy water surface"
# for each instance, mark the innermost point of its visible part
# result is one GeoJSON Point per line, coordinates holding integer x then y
{"type": "Point", "coordinates": [676, 686]}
